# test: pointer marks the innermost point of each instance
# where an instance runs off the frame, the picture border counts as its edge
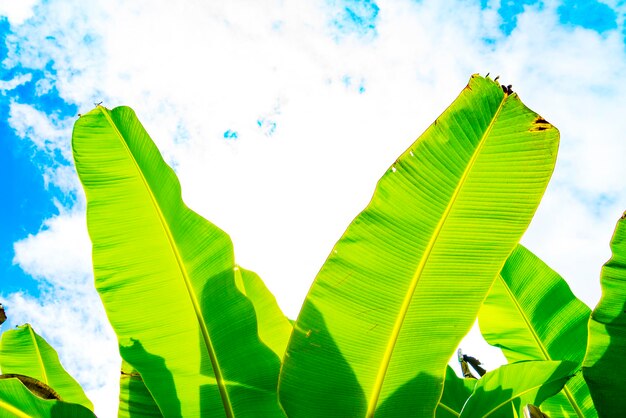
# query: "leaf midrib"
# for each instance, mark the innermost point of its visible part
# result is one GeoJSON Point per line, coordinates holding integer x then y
{"type": "Point", "coordinates": [382, 371]}
{"type": "Point", "coordinates": [186, 279]}
{"type": "Point", "coordinates": [544, 351]}
{"type": "Point", "coordinates": [44, 375]}
{"type": "Point", "coordinates": [447, 408]}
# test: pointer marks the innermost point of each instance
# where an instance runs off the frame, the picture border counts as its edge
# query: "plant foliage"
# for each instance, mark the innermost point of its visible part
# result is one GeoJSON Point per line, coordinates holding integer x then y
{"type": "Point", "coordinates": [436, 248]}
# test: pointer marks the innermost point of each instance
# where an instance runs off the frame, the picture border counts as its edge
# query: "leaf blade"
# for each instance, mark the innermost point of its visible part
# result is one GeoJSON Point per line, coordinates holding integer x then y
{"type": "Point", "coordinates": [274, 327]}
{"type": "Point", "coordinates": [389, 280]}
{"type": "Point", "coordinates": [153, 255]}
{"type": "Point", "coordinates": [607, 332]}
{"type": "Point", "coordinates": [456, 391]}
{"type": "Point", "coordinates": [135, 400]}
{"type": "Point", "coordinates": [531, 314]}
{"type": "Point", "coordinates": [23, 351]}
{"type": "Point", "coordinates": [17, 401]}
{"type": "Point", "coordinates": [529, 381]}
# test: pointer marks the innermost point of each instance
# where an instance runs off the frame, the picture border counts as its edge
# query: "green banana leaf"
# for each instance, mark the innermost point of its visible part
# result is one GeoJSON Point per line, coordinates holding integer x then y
{"type": "Point", "coordinates": [23, 351]}
{"type": "Point", "coordinates": [531, 314]}
{"type": "Point", "coordinates": [135, 398]}
{"type": "Point", "coordinates": [603, 368]}
{"type": "Point", "coordinates": [456, 391]}
{"type": "Point", "coordinates": [166, 278]}
{"type": "Point", "coordinates": [406, 280]}
{"type": "Point", "coordinates": [17, 401]}
{"type": "Point", "coordinates": [527, 382]}
{"type": "Point", "coordinates": [274, 327]}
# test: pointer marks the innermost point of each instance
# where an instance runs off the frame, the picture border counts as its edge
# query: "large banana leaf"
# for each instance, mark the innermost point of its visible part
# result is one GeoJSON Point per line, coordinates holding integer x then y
{"type": "Point", "coordinates": [135, 398]}
{"type": "Point", "coordinates": [404, 283]}
{"type": "Point", "coordinates": [17, 401]}
{"type": "Point", "coordinates": [456, 391]}
{"type": "Point", "coordinates": [274, 327]}
{"type": "Point", "coordinates": [166, 278]}
{"type": "Point", "coordinates": [606, 352]}
{"type": "Point", "coordinates": [523, 383]}
{"type": "Point", "coordinates": [23, 351]}
{"type": "Point", "coordinates": [531, 314]}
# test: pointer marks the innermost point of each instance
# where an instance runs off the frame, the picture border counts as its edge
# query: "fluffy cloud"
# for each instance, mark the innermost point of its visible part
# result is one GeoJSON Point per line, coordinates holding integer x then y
{"type": "Point", "coordinates": [47, 132]}
{"type": "Point", "coordinates": [60, 253]}
{"type": "Point", "coordinates": [279, 117]}
{"type": "Point", "coordinates": [14, 82]}
{"type": "Point", "coordinates": [17, 11]}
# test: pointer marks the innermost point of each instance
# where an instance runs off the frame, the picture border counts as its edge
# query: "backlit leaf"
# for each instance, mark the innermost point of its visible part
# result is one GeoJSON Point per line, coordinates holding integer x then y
{"type": "Point", "coordinates": [606, 352]}
{"type": "Point", "coordinates": [406, 280]}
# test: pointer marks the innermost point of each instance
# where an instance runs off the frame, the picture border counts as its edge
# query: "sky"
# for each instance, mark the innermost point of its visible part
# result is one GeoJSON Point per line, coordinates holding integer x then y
{"type": "Point", "coordinates": [279, 117]}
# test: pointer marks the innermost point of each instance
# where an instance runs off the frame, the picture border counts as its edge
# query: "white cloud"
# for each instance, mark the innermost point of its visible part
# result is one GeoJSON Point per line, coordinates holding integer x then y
{"type": "Point", "coordinates": [18, 80]}
{"type": "Point", "coordinates": [17, 11]}
{"type": "Point", "coordinates": [194, 71]}
{"type": "Point", "coordinates": [60, 253]}
{"type": "Point", "coordinates": [47, 132]}
{"type": "Point", "coordinates": [44, 85]}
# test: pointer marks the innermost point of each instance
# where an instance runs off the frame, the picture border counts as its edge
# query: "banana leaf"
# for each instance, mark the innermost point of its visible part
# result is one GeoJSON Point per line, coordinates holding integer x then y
{"type": "Point", "coordinates": [135, 398]}
{"type": "Point", "coordinates": [17, 401]}
{"type": "Point", "coordinates": [456, 391]}
{"type": "Point", "coordinates": [274, 330]}
{"type": "Point", "coordinates": [531, 314]}
{"type": "Point", "coordinates": [274, 327]}
{"type": "Point", "coordinates": [603, 368]}
{"type": "Point", "coordinates": [166, 277]}
{"type": "Point", "coordinates": [406, 280]}
{"type": "Point", "coordinates": [527, 382]}
{"type": "Point", "coordinates": [24, 352]}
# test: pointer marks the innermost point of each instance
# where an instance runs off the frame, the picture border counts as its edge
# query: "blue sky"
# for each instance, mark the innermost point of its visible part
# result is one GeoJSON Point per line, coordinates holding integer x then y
{"type": "Point", "coordinates": [272, 105]}
{"type": "Point", "coordinates": [30, 200]}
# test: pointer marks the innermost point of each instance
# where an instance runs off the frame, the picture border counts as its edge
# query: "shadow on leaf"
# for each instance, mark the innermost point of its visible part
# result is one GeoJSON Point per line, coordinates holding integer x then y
{"type": "Point", "coordinates": [165, 391]}
{"type": "Point", "coordinates": [343, 397]}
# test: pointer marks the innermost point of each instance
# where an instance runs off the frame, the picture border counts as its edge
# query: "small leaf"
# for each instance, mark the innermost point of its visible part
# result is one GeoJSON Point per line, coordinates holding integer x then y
{"type": "Point", "coordinates": [524, 382]}
{"type": "Point", "coordinates": [23, 351]}
{"type": "Point", "coordinates": [17, 401]}
{"type": "Point", "coordinates": [531, 314]}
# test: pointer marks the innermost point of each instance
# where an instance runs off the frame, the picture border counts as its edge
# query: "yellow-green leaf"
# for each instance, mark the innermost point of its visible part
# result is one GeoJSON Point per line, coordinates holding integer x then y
{"type": "Point", "coordinates": [606, 352]}
{"type": "Point", "coordinates": [166, 277]}
{"type": "Point", "coordinates": [406, 280]}
{"type": "Point", "coordinates": [23, 351]}
{"type": "Point", "coordinates": [135, 398]}
{"type": "Point", "coordinates": [456, 391]}
{"type": "Point", "coordinates": [523, 383]}
{"type": "Point", "coordinates": [274, 327]}
{"type": "Point", "coordinates": [18, 402]}
{"type": "Point", "coordinates": [531, 314]}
